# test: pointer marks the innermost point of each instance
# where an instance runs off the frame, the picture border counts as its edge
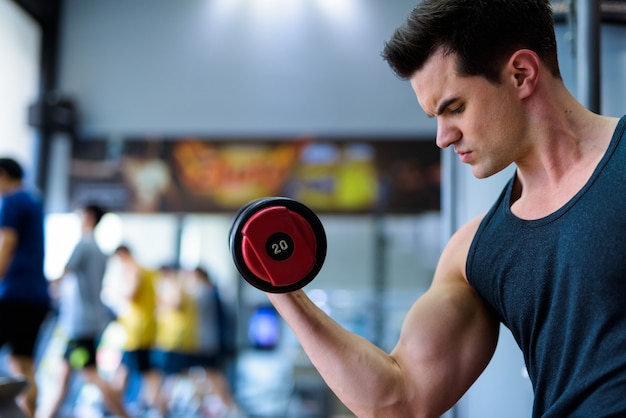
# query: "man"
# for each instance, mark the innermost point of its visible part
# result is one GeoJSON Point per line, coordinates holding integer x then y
{"type": "Point", "coordinates": [548, 258]}
{"type": "Point", "coordinates": [24, 298]}
{"type": "Point", "coordinates": [82, 315]}
{"type": "Point", "coordinates": [137, 317]}
{"type": "Point", "coordinates": [207, 363]}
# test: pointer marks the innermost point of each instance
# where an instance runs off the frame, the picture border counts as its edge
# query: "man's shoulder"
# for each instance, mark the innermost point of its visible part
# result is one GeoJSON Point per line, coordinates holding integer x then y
{"type": "Point", "coordinates": [466, 233]}
{"type": "Point", "coordinates": [454, 257]}
{"type": "Point", "coordinates": [18, 205]}
{"type": "Point", "coordinates": [22, 200]}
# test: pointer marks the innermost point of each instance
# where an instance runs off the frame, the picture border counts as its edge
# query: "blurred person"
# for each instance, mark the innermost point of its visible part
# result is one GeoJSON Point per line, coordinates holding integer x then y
{"type": "Point", "coordinates": [24, 295]}
{"type": "Point", "coordinates": [137, 318]}
{"type": "Point", "coordinates": [176, 326]}
{"type": "Point", "coordinates": [206, 363]}
{"type": "Point", "coordinates": [82, 314]}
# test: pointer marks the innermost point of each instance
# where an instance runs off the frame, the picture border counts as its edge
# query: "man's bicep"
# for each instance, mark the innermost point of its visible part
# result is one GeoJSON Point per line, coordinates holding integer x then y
{"type": "Point", "coordinates": [449, 335]}
{"type": "Point", "coordinates": [447, 340]}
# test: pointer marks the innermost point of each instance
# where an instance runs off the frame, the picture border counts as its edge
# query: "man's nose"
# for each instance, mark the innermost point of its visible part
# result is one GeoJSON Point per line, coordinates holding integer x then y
{"type": "Point", "coordinates": [447, 134]}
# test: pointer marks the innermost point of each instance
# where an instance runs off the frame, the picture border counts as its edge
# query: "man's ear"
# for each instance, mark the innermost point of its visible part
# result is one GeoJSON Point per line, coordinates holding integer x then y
{"type": "Point", "coordinates": [523, 69]}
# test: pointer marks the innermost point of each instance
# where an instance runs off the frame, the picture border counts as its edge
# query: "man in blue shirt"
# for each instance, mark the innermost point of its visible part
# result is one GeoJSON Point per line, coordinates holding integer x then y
{"type": "Point", "coordinates": [24, 297]}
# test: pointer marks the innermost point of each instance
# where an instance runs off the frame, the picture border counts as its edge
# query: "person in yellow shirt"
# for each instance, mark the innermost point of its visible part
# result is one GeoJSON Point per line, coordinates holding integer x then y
{"type": "Point", "coordinates": [176, 321]}
{"type": "Point", "coordinates": [137, 317]}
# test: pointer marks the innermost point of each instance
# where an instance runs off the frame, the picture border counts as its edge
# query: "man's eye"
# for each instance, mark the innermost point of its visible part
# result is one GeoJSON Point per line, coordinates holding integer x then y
{"type": "Point", "coordinates": [457, 110]}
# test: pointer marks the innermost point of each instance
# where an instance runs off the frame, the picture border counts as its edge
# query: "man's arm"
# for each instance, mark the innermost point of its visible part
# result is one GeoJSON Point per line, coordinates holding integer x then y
{"type": "Point", "coordinates": [8, 243]}
{"type": "Point", "coordinates": [447, 340]}
{"type": "Point", "coordinates": [71, 265]}
{"type": "Point", "coordinates": [132, 281]}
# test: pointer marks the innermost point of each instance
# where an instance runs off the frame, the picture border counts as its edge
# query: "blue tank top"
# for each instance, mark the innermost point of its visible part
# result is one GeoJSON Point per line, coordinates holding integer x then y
{"type": "Point", "coordinates": [559, 284]}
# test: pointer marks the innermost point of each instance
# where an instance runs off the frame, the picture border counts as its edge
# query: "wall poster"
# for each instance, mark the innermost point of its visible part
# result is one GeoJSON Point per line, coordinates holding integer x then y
{"type": "Point", "coordinates": [193, 175]}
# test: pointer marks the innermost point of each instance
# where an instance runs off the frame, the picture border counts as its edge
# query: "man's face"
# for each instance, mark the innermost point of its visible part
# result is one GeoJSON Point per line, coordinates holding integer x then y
{"type": "Point", "coordinates": [480, 119]}
{"type": "Point", "coordinates": [86, 218]}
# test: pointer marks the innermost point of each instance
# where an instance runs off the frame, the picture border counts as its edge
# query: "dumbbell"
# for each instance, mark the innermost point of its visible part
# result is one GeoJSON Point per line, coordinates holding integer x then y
{"type": "Point", "coordinates": [278, 244]}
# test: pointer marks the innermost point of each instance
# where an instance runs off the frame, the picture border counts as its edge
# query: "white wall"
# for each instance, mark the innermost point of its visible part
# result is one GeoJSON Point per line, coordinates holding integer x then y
{"type": "Point", "coordinates": [20, 44]}
{"type": "Point", "coordinates": [250, 67]}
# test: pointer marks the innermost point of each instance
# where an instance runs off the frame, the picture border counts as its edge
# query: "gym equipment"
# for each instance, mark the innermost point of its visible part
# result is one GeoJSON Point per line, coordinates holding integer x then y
{"type": "Point", "coordinates": [278, 244]}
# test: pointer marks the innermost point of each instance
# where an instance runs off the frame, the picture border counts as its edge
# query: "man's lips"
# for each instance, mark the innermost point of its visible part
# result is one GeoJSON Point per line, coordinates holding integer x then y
{"type": "Point", "coordinates": [464, 156]}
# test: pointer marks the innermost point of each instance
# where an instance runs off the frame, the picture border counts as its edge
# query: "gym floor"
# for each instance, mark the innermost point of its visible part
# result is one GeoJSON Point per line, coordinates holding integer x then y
{"type": "Point", "coordinates": [263, 389]}
{"type": "Point", "coordinates": [264, 386]}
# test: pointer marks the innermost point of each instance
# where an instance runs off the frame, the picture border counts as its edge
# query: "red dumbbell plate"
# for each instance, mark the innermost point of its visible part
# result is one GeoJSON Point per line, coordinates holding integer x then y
{"type": "Point", "coordinates": [278, 244]}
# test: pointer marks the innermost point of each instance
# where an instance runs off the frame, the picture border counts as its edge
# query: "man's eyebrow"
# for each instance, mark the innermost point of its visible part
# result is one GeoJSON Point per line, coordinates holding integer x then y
{"type": "Point", "coordinates": [445, 104]}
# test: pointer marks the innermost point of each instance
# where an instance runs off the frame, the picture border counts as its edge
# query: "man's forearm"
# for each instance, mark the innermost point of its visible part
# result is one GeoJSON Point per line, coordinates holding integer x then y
{"type": "Point", "coordinates": [366, 379]}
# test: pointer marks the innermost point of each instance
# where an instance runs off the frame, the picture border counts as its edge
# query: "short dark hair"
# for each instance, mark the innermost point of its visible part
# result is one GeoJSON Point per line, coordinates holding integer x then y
{"type": "Point", "coordinates": [96, 211]}
{"type": "Point", "coordinates": [482, 33]}
{"type": "Point", "coordinates": [123, 249]}
{"type": "Point", "coordinates": [11, 168]}
{"type": "Point", "coordinates": [203, 274]}
{"type": "Point", "coordinates": [168, 268]}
